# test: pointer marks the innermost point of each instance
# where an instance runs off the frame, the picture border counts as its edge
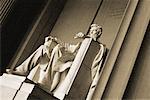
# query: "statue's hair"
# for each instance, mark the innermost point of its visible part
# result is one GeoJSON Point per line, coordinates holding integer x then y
{"type": "Point", "coordinates": [98, 26]}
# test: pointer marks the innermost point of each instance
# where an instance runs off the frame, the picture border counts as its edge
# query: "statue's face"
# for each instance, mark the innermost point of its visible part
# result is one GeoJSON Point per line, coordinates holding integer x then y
{"type": "Point", "coordinates": [95, 31]}
{"type": "Point", "coordinates": [50, 42]}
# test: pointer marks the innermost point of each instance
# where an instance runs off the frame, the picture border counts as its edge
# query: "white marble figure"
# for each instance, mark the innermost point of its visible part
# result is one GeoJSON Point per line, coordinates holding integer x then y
{"type": "Point", "coordinates": [49, 64]}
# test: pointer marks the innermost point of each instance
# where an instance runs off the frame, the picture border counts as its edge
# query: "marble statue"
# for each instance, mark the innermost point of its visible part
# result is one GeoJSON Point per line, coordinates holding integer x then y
{"type": "Point", "coordinates": [50, 63]}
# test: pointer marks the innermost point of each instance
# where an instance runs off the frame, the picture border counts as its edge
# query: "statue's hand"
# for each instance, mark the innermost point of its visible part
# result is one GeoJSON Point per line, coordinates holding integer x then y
{"type": "Point", "coordinates": [79, 35]}
{"type": "Point", "coordinates": [9, 71]}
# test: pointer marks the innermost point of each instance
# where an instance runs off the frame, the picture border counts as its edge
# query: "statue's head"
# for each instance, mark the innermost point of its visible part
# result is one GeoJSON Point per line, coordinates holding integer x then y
{"type": "Point", "coordinates": [50, 42]}
{"type": "Point", "coordinates": [95, 31]}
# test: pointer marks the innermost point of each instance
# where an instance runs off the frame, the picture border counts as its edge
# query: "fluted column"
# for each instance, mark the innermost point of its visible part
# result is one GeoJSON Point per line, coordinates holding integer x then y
{"type": "Point", "coordinates": [5, 8]}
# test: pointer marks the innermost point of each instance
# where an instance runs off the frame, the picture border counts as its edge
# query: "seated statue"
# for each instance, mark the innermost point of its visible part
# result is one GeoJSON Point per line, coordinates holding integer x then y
{"type": "Point", "coordinates": [49, 64]}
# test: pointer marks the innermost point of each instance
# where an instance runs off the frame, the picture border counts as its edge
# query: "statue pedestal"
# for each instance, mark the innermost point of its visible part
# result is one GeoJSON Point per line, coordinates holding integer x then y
{"type": "Point", "coordinates": [9, 85]}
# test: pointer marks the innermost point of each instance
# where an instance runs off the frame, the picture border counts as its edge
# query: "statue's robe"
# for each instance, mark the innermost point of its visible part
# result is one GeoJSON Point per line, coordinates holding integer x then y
{"type": "Point", "coordinates": [46, 68]}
